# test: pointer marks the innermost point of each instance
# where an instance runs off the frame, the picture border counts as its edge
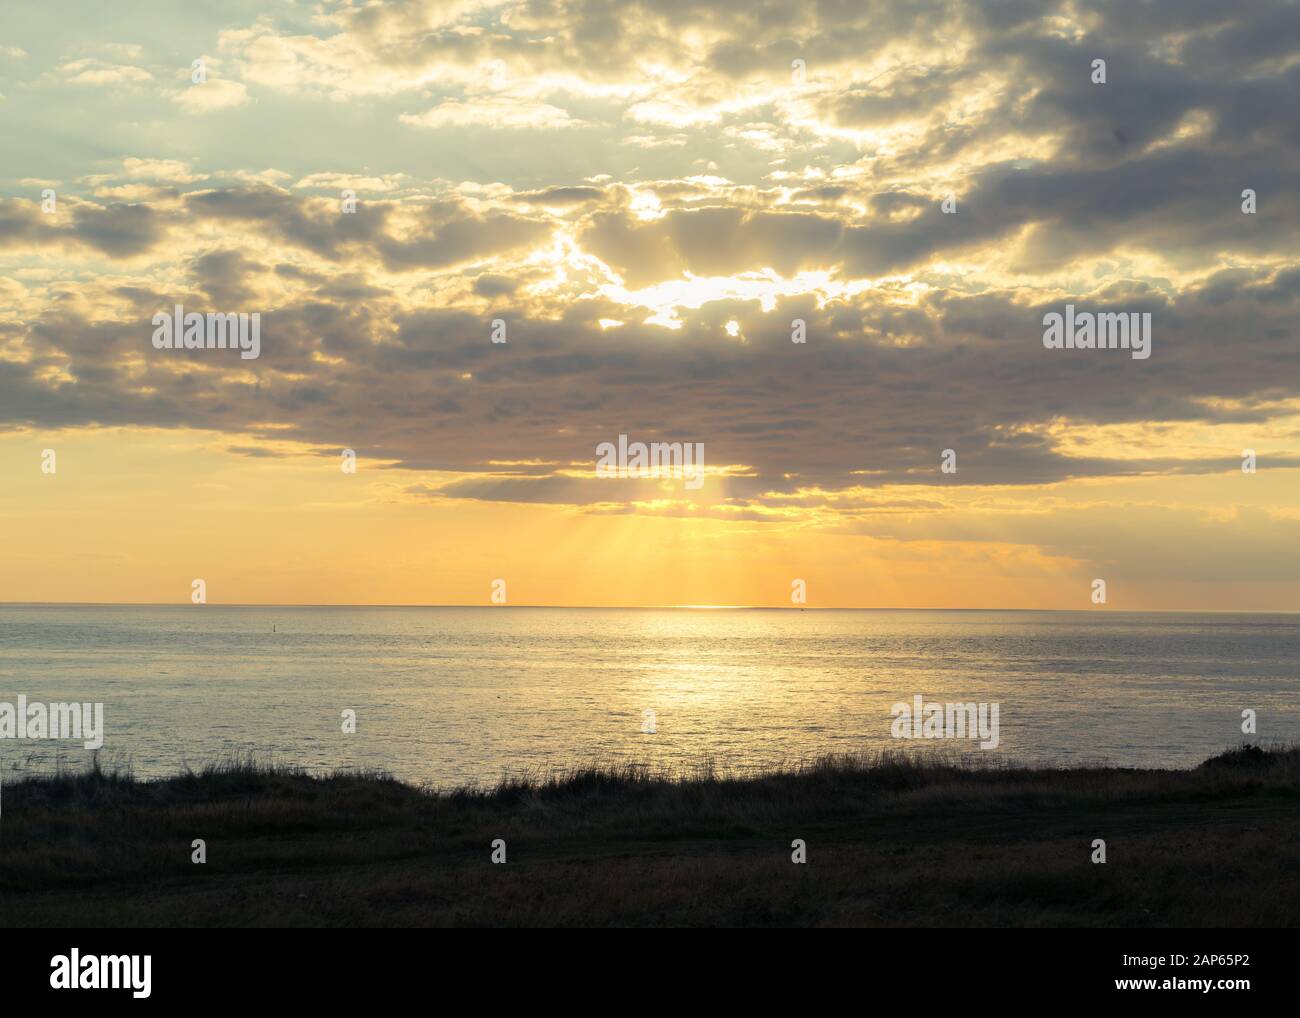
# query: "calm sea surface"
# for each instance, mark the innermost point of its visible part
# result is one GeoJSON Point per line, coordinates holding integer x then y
{"type": "Point", "coordinates": [454, 695]}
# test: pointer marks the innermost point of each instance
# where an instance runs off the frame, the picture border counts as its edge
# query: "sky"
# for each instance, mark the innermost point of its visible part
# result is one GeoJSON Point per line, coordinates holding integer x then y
{"type": "Point", "coordinates": [646, 198]}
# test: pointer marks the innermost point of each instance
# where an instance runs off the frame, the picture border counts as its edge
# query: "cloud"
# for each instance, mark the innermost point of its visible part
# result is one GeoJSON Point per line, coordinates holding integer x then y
{"type": "Point", "coordinates": [212, 95]}
{"type": "Point", "coordinates": [172, 171]}
{"type": "Point", "coordinates": [90, 71]}
{"type": "Point", "coordinates": [503, 112]}
{"type": "Point", "coordinates": [341, 181]}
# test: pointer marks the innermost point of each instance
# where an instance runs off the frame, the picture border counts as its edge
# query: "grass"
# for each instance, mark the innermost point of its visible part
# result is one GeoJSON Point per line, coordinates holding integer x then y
{"type": "Point", "coordinates": [893, 839]}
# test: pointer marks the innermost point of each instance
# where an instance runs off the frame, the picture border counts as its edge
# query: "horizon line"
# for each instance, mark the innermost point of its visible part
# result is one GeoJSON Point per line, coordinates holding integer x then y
{"type": "Point", "coordinates": [642, 607]}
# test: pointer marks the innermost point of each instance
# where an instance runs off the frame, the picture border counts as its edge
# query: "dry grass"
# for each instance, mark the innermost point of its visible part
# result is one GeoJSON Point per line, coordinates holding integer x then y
{"type": "Point", "coordinates": [893, 839]}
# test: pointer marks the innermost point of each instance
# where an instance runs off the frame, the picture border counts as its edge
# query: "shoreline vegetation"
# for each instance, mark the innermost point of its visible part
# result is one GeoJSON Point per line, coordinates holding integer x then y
{"type": "Point", "coordinates": [892, 839]}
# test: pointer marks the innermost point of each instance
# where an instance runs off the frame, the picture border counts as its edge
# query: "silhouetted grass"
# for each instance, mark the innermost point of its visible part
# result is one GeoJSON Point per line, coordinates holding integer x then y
{"type": "Point", "coordinates": [893, 839]}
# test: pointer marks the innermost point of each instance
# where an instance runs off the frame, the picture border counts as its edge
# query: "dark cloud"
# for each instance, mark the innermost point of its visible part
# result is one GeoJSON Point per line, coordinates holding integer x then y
{"type": "Point", "coordinates": [116, 229]}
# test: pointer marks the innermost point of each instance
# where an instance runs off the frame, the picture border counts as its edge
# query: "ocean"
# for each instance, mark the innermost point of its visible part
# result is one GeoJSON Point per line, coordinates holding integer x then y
{"type": "Point", "coordinates": [453, 696]}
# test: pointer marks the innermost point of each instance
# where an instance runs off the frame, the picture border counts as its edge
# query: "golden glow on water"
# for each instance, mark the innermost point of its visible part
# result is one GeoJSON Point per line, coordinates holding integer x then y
{"type": "Point", "coordinates": [462, 694]}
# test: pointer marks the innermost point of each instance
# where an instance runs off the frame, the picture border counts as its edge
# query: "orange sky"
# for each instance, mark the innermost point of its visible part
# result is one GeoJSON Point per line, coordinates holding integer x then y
{"type": "Point", "coordinates": [136, 515]}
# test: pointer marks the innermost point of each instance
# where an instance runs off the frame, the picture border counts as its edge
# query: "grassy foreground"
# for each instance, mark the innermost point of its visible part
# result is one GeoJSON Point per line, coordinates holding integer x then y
{"type": "Point", "coordinates": [892, 840]}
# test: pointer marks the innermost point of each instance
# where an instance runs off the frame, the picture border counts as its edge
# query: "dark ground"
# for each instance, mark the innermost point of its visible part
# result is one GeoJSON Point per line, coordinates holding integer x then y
{"type": "Point", "coordinates": [891, 841]}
